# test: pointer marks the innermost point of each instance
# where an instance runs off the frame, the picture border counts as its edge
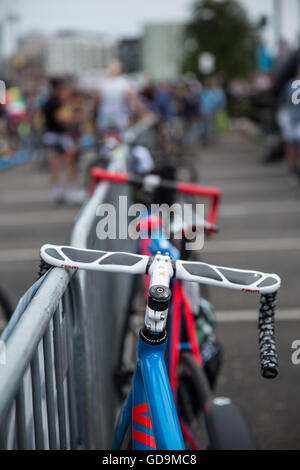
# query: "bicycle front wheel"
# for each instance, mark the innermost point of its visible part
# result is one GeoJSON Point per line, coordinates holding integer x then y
{"type": "Point", "coordinates": [5, 310]}
{"type": "Point", "coordinates": [215, 424]}
{"type": "Point", "coordinates": [193, 393]}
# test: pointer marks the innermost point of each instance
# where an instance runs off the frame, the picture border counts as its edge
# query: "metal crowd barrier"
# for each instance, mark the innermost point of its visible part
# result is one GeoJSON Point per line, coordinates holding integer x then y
{"type": "Point", "coordinates": [56, 386]}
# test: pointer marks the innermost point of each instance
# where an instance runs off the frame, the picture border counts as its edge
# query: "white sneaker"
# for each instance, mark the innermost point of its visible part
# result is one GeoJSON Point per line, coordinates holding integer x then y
{"type": "Point", "coordinates": [57, 192]}
{"type": "Point", "coordinates": [294, 178]}
{"type": "Point", "coordinates": [75, 196]}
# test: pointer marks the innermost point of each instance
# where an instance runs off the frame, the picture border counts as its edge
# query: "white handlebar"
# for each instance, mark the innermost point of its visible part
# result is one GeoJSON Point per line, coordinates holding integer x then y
{"type": "Point", "coordinates": [93, 260]}
{"type": "Point", "coordinates": [230, 278]}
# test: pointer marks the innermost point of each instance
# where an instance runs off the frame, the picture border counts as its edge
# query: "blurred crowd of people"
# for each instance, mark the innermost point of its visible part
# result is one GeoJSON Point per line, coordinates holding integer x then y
{"type": "Point", "coordinates": [57, 118]}
{"type": "Point", "coordinates": [288, 118]}
{"type": "Point", "coordinates": [198, 105]}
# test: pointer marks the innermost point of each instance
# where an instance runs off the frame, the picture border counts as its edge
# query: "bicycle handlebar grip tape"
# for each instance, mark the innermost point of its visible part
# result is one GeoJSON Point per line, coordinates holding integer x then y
{"type": "Point", "coordinates": [267, 344]}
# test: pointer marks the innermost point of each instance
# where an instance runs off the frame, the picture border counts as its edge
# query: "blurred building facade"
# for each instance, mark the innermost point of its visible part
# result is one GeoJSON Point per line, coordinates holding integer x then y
{"type": "Point", "coordinates": [32, 47]}
{"type": "Point", "coordinates": [162, 50]}
{"type": "Point", "coordinates": [71, 53]}
{"type": "Point", "coordinates": [25, 66]}
{"type": "Point", "coordinates": [129, 51]}
{"type": "Point", "coordinates": [83, 55]}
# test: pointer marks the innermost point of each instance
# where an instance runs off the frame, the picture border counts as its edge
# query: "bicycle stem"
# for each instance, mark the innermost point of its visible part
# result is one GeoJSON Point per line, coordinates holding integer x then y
{"type": "Point", "coordinates": [161, 271]}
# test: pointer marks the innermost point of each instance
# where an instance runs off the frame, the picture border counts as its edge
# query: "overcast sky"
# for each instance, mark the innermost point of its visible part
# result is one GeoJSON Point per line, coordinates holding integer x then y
{"type": "Point", "coordinates": [124, 17]}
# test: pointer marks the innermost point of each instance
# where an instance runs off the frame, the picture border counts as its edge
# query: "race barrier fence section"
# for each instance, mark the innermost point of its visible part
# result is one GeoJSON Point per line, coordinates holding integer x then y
{"type": "Point", "coordinates": [56, 386]}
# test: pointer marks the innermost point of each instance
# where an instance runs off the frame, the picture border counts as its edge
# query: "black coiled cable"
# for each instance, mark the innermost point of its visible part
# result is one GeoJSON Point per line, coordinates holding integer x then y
{"type": "Point", "coordinates": [43, 268]}
{"type": "Point", "coordinates": [267, 344]}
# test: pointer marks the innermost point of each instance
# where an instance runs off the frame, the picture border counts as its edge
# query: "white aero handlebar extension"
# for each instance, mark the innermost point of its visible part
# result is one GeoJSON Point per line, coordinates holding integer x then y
{"type": "Point", "coordinates": [162, 269]}
{"type": "Point", "coordinates": [93, 260]}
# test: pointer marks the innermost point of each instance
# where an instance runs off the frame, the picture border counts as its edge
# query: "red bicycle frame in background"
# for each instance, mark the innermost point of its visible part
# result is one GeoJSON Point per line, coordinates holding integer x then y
{"type": "Point", "coordinates": [210, 192]}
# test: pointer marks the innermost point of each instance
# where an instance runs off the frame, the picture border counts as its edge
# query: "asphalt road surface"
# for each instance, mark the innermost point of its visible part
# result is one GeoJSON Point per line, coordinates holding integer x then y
{"type": "Point", "coordinates": [28, 219]}
{"type": "Point", "coordinates": [260, 229]}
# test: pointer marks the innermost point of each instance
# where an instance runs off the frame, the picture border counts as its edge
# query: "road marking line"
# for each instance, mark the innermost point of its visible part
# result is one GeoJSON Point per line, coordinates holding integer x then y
{"type": "Point", "coordinates": [264, 187]}
{"type": "Point", "coordinates": [227, 210]}
{"type": "Point", "coordinates": [38, 218]}
{"type": "Point", "coordinates": [227, 246]}
{"type": "Point", "coordinates": [268, 207]}
{"type": "Point", "coordinates": [288, 314]}
{"type": "Point", "coordinates": [25, 182]}
{"type": "Point", "coordinates": [234, 172]}
{"type": "Point", "coordinates": [42, 194]}
{"type": "Point", "coordinates": [20, 254]}
{"type": "Point", "coordinates": [30, 195]}
{"type": "Point", "coordinates": [255, 245]}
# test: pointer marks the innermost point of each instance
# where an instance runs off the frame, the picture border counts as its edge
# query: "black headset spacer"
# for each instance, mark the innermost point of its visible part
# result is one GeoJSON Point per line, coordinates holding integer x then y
{"type": "Point", "coordinates": [154, 339]}
{"type": "Point", "coordinates": [159, 298]}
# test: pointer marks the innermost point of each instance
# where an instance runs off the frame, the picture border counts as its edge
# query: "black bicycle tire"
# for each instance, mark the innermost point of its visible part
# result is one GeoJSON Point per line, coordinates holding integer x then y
{"type": "Point", "coordinates": [121, 374]}
{"type": "Point", "coordinates": [219, 437]}
{"type": "Point", "coordinates": [192, 378]}
{"type": "Point", "coordinates": [127, 439]}
{"type": "Point", "coordinates": [5, 306]}
{"type": "Point", "coordinates": [188, 365]}
{"type": "Point", "coordinates": [128, 313]}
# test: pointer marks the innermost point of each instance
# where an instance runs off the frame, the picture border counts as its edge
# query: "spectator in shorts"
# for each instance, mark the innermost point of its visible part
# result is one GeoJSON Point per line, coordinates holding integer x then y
{"type": "Point", "coordinates": [212, 100]}
{"type": "Point", "coordinates": [289, 123]}
{"type": "Point", "coordinates": [61, 148]}
{"type": "Point", "coordinates": [117, 101]}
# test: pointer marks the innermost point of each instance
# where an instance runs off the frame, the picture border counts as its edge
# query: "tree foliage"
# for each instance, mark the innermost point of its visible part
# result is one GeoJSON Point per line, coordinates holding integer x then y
{"type": "Point", "coordinates": [224, 29]}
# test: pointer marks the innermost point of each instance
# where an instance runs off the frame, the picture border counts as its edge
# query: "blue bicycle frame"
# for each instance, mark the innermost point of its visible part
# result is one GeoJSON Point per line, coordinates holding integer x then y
{"type": "Point", "coordinates": [149, 407]}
